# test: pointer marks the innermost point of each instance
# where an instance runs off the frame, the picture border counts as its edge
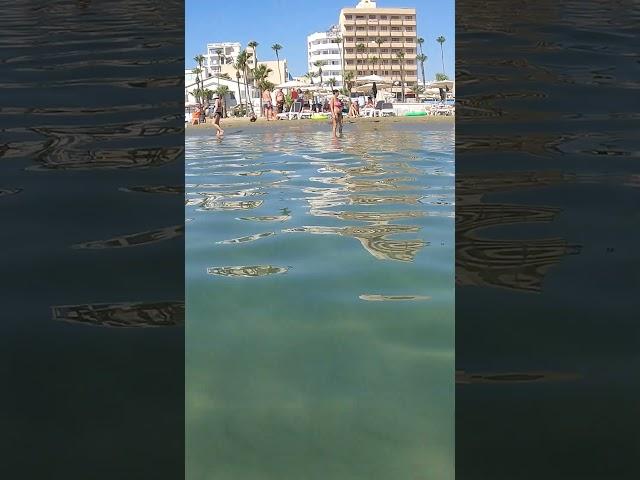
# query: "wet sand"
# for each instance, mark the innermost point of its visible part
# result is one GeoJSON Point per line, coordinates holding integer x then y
{"type": "Point", "coordinates": [244, 122]}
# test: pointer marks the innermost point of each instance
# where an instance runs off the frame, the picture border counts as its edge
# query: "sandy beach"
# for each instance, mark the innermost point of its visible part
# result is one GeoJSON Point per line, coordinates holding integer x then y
{"type": "Point", "coordinates": [234, 122]}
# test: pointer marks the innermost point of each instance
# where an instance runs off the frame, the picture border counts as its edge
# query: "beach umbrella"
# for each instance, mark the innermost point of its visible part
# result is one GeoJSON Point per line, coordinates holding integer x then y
{"type": "Point", "coordinates": [442, 84]}
{"type": "Point", "coordinates": [371, 79]}
{"type": "Point", "coordinates": [292, 84]}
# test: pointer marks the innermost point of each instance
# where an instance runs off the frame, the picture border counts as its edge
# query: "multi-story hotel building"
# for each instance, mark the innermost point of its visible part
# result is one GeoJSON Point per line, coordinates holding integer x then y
{"type": "Point", "coordinates": [321, 47]}
{"type": "Point", "coordinates": [396, 29]}
{"type": "Point", "coordinates": [214, 62]}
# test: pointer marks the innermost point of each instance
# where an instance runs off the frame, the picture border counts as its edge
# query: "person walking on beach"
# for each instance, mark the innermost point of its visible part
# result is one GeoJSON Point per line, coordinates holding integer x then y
{"type": "Point", "coordinates": [267, 105]}
{"type": "Point", "coordinates": [280, 100]}
{"type": "Point", "coordinates": [217, 114]}
{"type": "Point", "coordinates": [335, 107]}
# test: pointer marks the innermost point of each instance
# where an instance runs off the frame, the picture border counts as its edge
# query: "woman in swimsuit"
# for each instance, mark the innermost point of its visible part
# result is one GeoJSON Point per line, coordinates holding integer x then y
{"type": "Point", "coordinates": [335, 107]}
{"type": "Point", "coordinates": [217, 114]}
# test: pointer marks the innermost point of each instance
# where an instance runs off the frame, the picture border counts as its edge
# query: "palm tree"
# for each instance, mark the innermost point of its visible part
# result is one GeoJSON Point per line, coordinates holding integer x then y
{"type": "Point", "coordinates": [441, 76]}
{"type": "Point", "coordinates": [223, 91]}
{"type": "Point", "coordinates": [422, 58]}
{"type": "Point", "coordinates": [441, 40]}
{"type": "Point", "coordinates": [349, 79]}
{"type": "Point", "coordinates": [374, 61]}
{"type": "Point", "coordinates": [319, 64]}
{"type": "Point", "coordinates": [276, 47]}
{"type": "Point", "coordinates": [238, 68]}
{"type": "Point", "coordinates": [417, 89]}
{"type": "Point", "coordinates": [379, 41]}
{"type": "Point", "coordinates": [224, 76]}
{"type": "Point", "coordinates": [197, 72]}
{"type": "Point", "coordinates": [243, 64]}
{"type": "Point", "coordinates": [260, 75]}
{"type": "Point", "coordinates": [310, 76]}
{"type": "Point", "coordinates": [400, 56]}
{"type": "Point", "coordinates": [332, 82]}
{"type": "Point", "coordinates": [360, 48]}
{"type": "Point", "coordinates": [199, 60]}
{"type": "Point", "coordinates": [340, 43]}
{"type": "Point", "coordinates": [254, 45]}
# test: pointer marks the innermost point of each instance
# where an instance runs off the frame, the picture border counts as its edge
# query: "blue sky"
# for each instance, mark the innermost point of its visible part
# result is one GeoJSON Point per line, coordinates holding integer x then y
{"type": "Point", "coordinates": [288, 22]}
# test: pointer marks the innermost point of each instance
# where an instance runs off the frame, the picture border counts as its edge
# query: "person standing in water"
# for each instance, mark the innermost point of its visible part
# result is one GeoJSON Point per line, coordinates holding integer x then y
{"type": "Point", "coordinates": [217, 114]}
{"type": "Point", "coordinates": [335, 107]}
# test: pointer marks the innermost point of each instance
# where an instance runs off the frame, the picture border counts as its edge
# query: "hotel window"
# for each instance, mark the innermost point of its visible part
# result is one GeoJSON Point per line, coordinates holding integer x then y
{"type": "Point", "coordinates": [409, 17]}
{"type": "Point", "coordinates": [359, 17]}
{"type": "Point", "coordinates": [348, 17]}
{"type": "Point", "coordinates": [383, 17]}
{"type": "Point", "coordinates": [395, 39]}
{"type": "Point", "coordinates": [372, 17]}
{"type": "Point", "coordinates": [384, 50]}
{"type": "Point", "coordinates": [395, 17]}
{"type": "Point", "coordinates": [395, 29]}
{"type": "Point", "coordinates": [360, 29]}
{"type": "Point", "coordinates": [409, 40]}
{"type": "Point", "coordinates": [408, 29]}
{"type": "Point", "coordinates": [410, 50]}
{"type": "Point", "coordinates": [349, 29]}
{"type": "Point", "coordinates": [360, 39]}
{"type": "Point", "coordinates": [349, 50]}
{"type": "Point", "coordinates": [383, 29]}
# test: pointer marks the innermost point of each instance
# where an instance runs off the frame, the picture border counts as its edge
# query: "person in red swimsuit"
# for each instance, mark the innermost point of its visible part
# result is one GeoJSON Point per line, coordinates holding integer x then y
{"type": "Point", "coordinates": [335, 107]}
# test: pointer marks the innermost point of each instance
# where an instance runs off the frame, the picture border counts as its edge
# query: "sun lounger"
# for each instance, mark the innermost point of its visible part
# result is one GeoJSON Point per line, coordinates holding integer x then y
{"type": "Point", "coordinates": [387, 110]}
{"type": "Point", "coordinates": [294, 111]}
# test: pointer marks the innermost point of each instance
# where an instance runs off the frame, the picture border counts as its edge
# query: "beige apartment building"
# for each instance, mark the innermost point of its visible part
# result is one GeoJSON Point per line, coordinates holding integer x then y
{"type": "Point", "coordinates": [396, 27]}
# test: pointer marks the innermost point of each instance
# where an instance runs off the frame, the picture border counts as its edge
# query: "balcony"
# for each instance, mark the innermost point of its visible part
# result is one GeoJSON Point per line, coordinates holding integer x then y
{"type": "Point", "coordinates": [397, 44]}
{"type": "Point", "coordinates": [409, 23]}
{"type": "Point", "coordinates": [395, 22]}
{"type": "Point", "coordinates": [361, 22]}
{"type": "Point", "coordinates": [408, 34]}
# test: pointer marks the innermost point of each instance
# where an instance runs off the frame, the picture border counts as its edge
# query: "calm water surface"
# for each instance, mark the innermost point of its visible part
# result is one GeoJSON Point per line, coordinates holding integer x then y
{"type": "Point", "coordinates": [320, 288]}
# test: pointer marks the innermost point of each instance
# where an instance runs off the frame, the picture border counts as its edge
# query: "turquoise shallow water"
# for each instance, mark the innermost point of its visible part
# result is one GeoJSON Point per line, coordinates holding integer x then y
{"type": "Point", "coordinates": [320, 314]}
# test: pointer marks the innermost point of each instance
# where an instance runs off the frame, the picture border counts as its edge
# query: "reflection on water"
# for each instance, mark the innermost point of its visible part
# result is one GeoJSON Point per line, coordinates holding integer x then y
{"type": "Point", "coordinates": [127, 315]}
{"type": "Point", "coordinates": [341, 354]}
{"type": "Point", "coordinates": [136, 239]}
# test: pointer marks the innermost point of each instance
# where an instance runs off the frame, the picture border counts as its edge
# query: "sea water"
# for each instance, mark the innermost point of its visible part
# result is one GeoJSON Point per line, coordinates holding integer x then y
{"type": "Point", "coordinates": [320, 314]}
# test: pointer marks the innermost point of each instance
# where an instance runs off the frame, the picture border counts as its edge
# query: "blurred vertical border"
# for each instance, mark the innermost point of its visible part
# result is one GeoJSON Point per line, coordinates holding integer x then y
{"type": "Point", "coordinates": [92, 239]}
{"type": "Point", "coordinates": [547, 228]}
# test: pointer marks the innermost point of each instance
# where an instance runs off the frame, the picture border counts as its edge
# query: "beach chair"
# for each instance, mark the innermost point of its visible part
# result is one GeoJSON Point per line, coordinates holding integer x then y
{"type": "Point", "coordinates": [387, 110]}
{"type": "Point", "coordinates": [294, 111]}
{"type": "Point", "coordinates": [305, 113]}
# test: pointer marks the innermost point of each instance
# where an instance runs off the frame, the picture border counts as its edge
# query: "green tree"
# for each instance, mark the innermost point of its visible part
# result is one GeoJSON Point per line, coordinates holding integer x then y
{"type": "Point", "coordinates": [332, 82]}
{"type": "Point", "coordinates": [223, 91]}
{"type": "Point", "coordinates": [197, 73]}
{"type": "Point", "coordinates": [254, 45]}
{"type": "Point", "coordinates": [276, 47]}
{"type": "Point", "coordinates": [417, 89]}
{"type": "Point", "coordinates": [421, 58]}
{"type": "Point", "coordinates": [441, 40]}
{"type": "Point", "coordinates": [400, 56]}
{"type": "Point", "coordinates": [260, 75]}
{"type": "Point", "coordinates": [349, 78]}
{"type": "Point", "coordinates": [200, 60]}
{"type": "Point", "coordinates": [360, 48]}
{"type": "Point", "coordinates": [319, 64]}
{"type": "Point", "coordinates": [340, 43]}
{"type": "Point", "coordinates": [441, 76]}
{"type": "Point", "coordinates": [310, 76]}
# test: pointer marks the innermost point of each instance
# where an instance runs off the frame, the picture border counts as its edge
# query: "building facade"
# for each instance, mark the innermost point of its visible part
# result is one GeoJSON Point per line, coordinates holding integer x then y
{"type": "Point", "coordinates": [219, 57]}
{"type": "Point", "coordinates": [321, 47]}
{"type": "Point", "coordinates": [374, 36]}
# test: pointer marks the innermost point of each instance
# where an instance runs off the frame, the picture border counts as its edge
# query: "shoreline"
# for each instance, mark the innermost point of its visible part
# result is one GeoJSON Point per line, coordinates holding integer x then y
{"type": "Point", "coordinates": [233, 122]}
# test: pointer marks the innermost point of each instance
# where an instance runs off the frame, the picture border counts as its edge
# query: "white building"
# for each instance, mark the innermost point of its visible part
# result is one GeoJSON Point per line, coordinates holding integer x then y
{"type": "Point", "coordinates": [213, 62]}
{"type": "Point", "coordinates": [321, 47]}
